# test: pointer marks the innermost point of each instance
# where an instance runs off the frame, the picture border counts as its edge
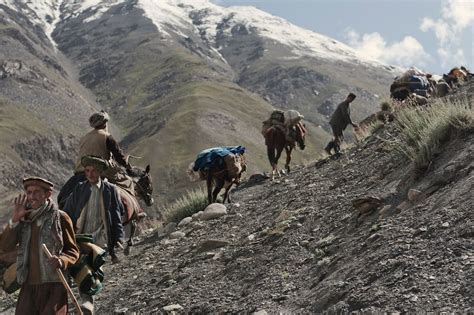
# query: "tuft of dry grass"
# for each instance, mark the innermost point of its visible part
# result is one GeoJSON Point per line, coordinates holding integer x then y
{"type": "Point", "coordinates": [365, 131]}
{"type": "Point", "coordinates": [424, 130]}
{"type": "Point", "coordinates": [189, 203]}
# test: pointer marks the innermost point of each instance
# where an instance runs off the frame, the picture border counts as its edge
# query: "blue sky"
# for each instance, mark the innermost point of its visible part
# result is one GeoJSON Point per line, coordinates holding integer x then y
{"type": "Point", "coordinates": [434, 35]}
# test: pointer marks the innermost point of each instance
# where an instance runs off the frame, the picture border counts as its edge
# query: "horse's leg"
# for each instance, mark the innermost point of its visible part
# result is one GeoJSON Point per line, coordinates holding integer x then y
{"type": "Point", "coordinates": [209, 188]}
{"type": "Point", "coordinates": [288, 158]}
{"type": "Point", "coordinates": [133, 228]}
{"type": "Point", "coordinates": [227, 193]}
{"type": "Point", "coordinates": [217, 189]}
{"type": "Point", "coordinates": [271, 159]}
{"type": "Point", "coordinates": [277, 157]}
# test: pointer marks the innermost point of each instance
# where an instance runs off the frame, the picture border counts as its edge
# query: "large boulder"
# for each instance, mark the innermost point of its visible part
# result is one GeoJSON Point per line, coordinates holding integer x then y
{"type": "Point", "coordinates": [213, 211]}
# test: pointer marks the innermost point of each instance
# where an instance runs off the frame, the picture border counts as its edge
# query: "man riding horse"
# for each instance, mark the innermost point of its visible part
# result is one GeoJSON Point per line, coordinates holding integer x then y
{"type": "Point", "coordinates": [131, 183]}
{"type": "Point", "coordinates": [100, 143]}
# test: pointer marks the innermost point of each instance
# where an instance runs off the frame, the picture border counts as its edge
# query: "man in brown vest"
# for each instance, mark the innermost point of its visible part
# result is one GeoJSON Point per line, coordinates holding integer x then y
{"type": "Point", "coordinates": [100, 143]}
{"type": "Point", "coordinates": [339, 121]}
{"type": "Point", "coordinates": [35, 221]}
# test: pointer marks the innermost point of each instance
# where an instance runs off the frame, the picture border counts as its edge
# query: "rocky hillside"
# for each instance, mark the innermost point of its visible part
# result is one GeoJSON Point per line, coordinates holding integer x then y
{"type": "Point", "coordinates": [298, 245]}
{"type": "Point", "coordinates": [177, 76]}
{"type": "Point", "coordinates": [43, 107]}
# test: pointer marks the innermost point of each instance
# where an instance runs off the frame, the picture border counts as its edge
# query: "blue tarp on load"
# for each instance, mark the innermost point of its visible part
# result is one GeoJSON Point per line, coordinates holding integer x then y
{"type": "Point", "coordinates": [205, 159]}
{"type": "Point", "coordinates": [418, 83]}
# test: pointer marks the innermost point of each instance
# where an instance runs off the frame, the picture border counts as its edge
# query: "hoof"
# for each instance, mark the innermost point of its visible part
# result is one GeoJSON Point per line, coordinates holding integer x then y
{"type": "Point", "coordinates": [142, 215]}
{"type": "Point", "coordinates": [115, 260]}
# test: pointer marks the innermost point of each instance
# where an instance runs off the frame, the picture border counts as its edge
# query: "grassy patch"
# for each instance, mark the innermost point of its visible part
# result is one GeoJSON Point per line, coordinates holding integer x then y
{"type": "Point", "coordinates": [365, 131]}
{"type": "Point", "coordinates": [386, 106]}
{"type": "Point", "coordinates": [189, 203]}
{"type": "Point", "coordinates": [16, 123]}
{"type": "Point", "coordinates": [424, 130]}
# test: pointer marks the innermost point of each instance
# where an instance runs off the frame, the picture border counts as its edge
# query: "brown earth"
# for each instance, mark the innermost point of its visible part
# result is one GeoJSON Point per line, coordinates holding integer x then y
{"type": "Point", "coordinates": [298, 245]}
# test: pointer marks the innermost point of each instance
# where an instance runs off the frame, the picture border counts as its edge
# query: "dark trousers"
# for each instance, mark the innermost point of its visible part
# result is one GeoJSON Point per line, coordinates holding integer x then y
{"type": "Point", "coordinates": [336, 143]}
{"type": "Point", "coordinates": [42, 299]}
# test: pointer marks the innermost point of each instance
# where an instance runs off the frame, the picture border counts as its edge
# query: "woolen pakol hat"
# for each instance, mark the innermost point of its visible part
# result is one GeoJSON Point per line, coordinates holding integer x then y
{"type": "Point", "coordinates": [97, 162]}
{"type": "Point", "coordinates": [37, 181]}
{"type": "Point", "coordinates": [98, 119]}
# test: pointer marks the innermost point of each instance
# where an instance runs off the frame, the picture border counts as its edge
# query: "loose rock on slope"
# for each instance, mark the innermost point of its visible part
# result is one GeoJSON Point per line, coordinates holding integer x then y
{"type": "Point", "coordinates": [298, 245]}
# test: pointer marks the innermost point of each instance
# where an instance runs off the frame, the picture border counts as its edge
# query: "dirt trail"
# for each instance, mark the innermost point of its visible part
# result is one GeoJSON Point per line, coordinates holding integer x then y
{"type": "Point", "coordinates": [298, 245]}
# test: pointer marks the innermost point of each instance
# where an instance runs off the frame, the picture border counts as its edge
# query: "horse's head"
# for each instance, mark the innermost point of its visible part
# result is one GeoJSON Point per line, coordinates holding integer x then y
{"type": "Point", "coordinates": [300, 134]}
{"type": "Point", "coordinates": [144, 185]}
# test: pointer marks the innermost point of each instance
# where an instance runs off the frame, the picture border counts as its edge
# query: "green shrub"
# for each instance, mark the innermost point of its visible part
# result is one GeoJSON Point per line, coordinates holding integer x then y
{"type": "Point", "coordinates": [386, 106]}
{"type": "Point", "coordinates": [424, 130]}
{"type": "Point", "coordinates": [191, 202]}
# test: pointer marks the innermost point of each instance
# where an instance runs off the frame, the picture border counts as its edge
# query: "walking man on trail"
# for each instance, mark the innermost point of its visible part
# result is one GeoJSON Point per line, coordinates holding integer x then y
{"type": "Point", "coordinates": [339, 121]}
{"type": "Point", "coordinates": [96, 209]}
{"type": "Point", "coordinates": [99, 142]}
{"type": "Point", "coordinates": [36, 220]}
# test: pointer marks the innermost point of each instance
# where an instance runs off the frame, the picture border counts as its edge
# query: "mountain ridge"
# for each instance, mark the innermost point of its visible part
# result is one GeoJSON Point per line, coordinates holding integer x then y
{"type": "Point", "coordinates": [148, 76]}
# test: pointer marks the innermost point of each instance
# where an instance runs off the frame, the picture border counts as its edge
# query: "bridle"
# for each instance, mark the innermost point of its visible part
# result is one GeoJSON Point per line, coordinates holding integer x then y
{"type": "Point", "coordinates": [140, 190]}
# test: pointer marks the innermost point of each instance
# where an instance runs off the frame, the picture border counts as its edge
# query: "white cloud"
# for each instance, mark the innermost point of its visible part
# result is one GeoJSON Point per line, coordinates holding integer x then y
{"type": "Point", "coordinates": [456, 16]}
{"type": "Point", "coordinates": [405, 53]}
{"type": "Point", "coordinates": [460, 12]}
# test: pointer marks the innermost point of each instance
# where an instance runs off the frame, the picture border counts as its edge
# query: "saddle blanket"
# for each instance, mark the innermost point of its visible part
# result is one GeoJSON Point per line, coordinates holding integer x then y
{"type": "Point", "coordinates": [205, 159]}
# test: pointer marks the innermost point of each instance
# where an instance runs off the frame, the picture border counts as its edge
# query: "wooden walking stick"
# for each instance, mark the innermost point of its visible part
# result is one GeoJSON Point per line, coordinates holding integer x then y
{"type": "Point", "coordinates": [63, 280]}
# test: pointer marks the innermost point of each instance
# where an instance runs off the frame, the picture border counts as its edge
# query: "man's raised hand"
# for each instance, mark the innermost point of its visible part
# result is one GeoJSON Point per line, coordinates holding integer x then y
{"type": "Point", "coordinates": [19, 210]}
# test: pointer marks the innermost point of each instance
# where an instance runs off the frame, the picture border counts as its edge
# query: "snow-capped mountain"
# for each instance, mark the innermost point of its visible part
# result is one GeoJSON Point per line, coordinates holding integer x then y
{"type": "Point", "coordinates": [177, 76]}
{"type": "Point", "coordinates": [202, 17]}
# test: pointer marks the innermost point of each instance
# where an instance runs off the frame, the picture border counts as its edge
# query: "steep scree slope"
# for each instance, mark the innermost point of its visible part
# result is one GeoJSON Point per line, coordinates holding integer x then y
{"type": "Point", "coordinates": [297, 244]}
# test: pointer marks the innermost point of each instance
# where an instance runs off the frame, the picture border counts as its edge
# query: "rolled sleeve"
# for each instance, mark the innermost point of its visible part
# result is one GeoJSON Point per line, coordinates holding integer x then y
{"type": "Point", "coordinates": [9, 238]}
{"type": "Point", "coordinates": [70, 253]}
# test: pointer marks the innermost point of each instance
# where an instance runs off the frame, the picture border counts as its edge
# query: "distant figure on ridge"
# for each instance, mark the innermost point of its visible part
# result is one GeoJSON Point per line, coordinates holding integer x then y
{"type": "Point", "coordinates": [339, 121]}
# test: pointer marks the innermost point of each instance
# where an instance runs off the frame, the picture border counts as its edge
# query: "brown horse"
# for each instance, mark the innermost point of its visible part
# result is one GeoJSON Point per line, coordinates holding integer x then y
{"type": "Point", "coordinates": [276, 141]}
{"type": "Point", "coordinates": [222, 178]}
{"type": "Point", "coordinates": [143, 187]}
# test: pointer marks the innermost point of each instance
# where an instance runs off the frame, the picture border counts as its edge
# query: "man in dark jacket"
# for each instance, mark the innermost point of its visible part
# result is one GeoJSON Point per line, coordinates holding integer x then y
{"type": "Point", "coordinates": [339, 121]}
{"type": "Point", "coordinates": [95, 208]}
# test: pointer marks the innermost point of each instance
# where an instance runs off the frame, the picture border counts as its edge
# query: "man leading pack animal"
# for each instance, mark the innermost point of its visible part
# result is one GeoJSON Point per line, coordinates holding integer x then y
{"type": "Point", "coordinates": [339, 121]}
{"type": "Point", "coordinates": [36, 220]}
{"type": "Point", "coordinates": [96, 209]}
